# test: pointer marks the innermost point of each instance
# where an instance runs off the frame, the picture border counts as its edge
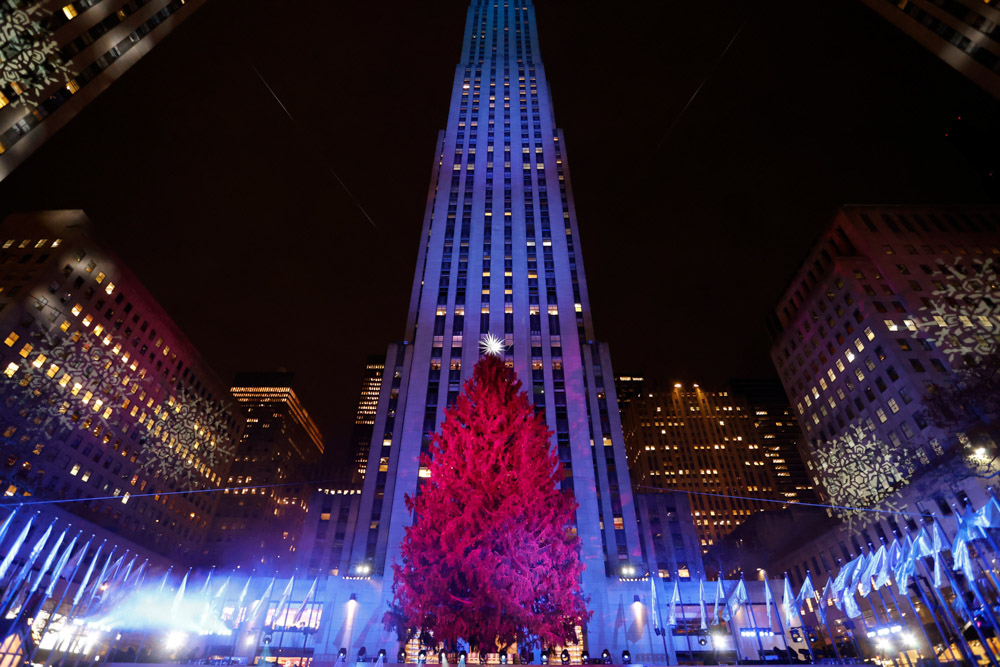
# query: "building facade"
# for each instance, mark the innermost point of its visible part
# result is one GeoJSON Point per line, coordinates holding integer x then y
{"type": "Point", "coordinates": [702, 444]}
{"type": "Point", "coordinates": [778, 432]}
{"type": "Point", "coordinates": [500, 253]}
{"type": "Point", "coordinates": [66, 55]}
{"type": "Point", "coordinates": [104, 398]}
{"type": "Point", "coordinates": [966, 35]}
{"type": "Point", "coordinates": [889, 302]}
{"type": "Point", "coordinates": [261, 513]}
{"type": "Point", "coordinates": [364, 418]}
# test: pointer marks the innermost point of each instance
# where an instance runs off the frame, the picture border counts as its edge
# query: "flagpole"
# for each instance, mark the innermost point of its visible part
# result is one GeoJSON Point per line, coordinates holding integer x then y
{"type": "Point", "coordinates": [781, 626]}
{"type": "Point", "coordinates": [826, 620]}
{"type": "Point", "coordinates": [88, 605]}
{"type": "Point", "coordinates": [958, 596]}
{"type": "Point", "coordinates": [916, 617]}
{"type": "Point", "coordinates": [949, 620]}
{"type": "Point", "coordinates": [48, 621]}
{"type": "Point", "coordinates": [805, 633]}
{"type": "Point", "coordinates": [753, 622]}
{"type": "Point", "coordinates": [687, 635]}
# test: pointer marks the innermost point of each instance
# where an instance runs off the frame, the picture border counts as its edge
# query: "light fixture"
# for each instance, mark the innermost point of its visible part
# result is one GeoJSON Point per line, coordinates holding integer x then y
{"type": "Point", "coordinates": [342, 653]}
{"type": "Point", "coordinates": [422, 657]}
{"type": "Point", "coordinates": [606, 657]}
{"type": "Point", "coordinates": [635, 598]}
{"type": "Point", "coordinates": [503, 658]}
{"type": "Point", "coordinates": [463, 657]}
{"type": "Point", "coordinates": [702, 640]}
{"type": "Point", "coordinates": [442, 658]}
{"type": "Point", "coordinates": [545, 658]}
{"type": "Point", "coordinates": [381, 655]}
{"type": "Point", "coordinates": [626, 658]}
{"type": "Point", "coordinates": [401, 656]}
{"type": "Point", "coordinates": [564, 656]}
{"type": "Point", "coordinates": [585, 657]}
{"type": "Point", "coordinates": [362, 654]}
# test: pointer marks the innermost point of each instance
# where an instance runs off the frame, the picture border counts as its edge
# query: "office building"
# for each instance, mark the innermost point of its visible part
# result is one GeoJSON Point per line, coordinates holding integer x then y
{"type": "Point", "coordinates": [500, 253]}
{"type": "Point", "coordinates": [965, 35]}
{"type": "Point", "coordinates": [364, 418]}
{"type": "Point", "coordinates": [261, 515]}
{"type": "Point", "coordinates": [778, 432]}
{"type": "Point", "coordinates": [703, 444]}
{"type": "Point", "coordinates": [59, 56]}
{"type": "Point", "coordinates": [104, 397]}
{"type": "Point", "coordinates": [887, 303]}
{"type": "Point", "coordinates": [628, 387]}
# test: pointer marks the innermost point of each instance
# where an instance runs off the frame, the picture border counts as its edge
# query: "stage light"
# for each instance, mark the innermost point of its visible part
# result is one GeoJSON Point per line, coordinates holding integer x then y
{"type": "Point", "coordinates": [442, 658]}
{"type": "Point", "coordinates": [564, 656]}
{"type": "Point", "coordinates": [606, 657]}
{"type": "Point", "coordinates": [401, 656]}
{"type": "Point", "coordinates": [626, 658]}
{"type": "Point", "coordinates": [702, 640]}
{"type": "Point", "coordinates": [381, 655]}
{"type": "Point", "coordinates": [527, 657]}
{"type": "Point", "coordinates": [422, 657]}
{"type": "Point", "coordinates": [585, 657]}
{"type": "Point", "coordinates": [342, 653]}
{"type": "Point", "coordinates": [175, 640]}
{"type": "Point", "coordinates": [545, 658]}
{"type": "Point", "coordinates": [483, 657]}
{"type": "Point", "coordinates": [463, 657]}
{"type": "Point", "coordinates": [362, 654]}
{"type": "Point", "coordinates": [503, 658]}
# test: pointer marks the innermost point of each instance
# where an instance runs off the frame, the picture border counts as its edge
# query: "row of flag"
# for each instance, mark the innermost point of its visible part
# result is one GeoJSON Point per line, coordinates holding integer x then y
{"type": "Point", "coordinates": [892, 563]}
{"type": "Point", "coordinates": [30, 574]}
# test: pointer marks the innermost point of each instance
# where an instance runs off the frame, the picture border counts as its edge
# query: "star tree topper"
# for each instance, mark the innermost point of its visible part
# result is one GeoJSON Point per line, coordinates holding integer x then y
{"type": "Point", "coordinates": [491, 345]}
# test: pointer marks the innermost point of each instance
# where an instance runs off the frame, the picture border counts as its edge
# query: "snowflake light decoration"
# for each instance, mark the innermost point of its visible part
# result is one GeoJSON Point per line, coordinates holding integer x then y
{"type": "Point", "coordinates": [860, 471]}
{"type": "Point", "coordinates": [30, 61]}
{"type": "Point", "coordinates": [189, 439]}
{"type": "Point", "coordinates": [963, 318]}
{"type": "Point", "coordinates": [490, 344]}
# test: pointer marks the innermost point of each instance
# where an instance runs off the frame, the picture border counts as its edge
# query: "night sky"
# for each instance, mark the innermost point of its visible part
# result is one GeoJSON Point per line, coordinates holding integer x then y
{"type": "Point", "coordinates": [691, 223]}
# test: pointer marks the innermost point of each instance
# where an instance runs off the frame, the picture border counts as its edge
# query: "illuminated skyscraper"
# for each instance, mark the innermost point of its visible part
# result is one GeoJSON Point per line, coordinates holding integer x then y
{"type": "Point", "coordinates": [888, 302]}
{"type": "Point", "coordinates": [364, 417]}
{"type": "Point", "coordinates": [104, 398]}
{"type": "Point", "coordinates": [500, 252]}
{"type": "Point", "coordinates": [688, 439]}
{"type": "Point", "coordinates": [58, 56]}
{"type": "Point", "coordinates": [255, 526]}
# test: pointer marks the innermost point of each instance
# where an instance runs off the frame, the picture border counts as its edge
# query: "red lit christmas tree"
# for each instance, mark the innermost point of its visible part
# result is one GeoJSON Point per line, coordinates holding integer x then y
{"type": "Point", "coordinates": [491, 558]}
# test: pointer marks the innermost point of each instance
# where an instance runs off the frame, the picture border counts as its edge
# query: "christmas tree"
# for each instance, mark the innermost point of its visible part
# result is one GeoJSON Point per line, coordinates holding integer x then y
{"type": "Point", "coordinates": [491, 557]}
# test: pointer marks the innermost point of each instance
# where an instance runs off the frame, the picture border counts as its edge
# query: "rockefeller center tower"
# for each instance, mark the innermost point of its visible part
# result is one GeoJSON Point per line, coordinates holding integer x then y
{"type": "Point", "coordinates": [500, 253]}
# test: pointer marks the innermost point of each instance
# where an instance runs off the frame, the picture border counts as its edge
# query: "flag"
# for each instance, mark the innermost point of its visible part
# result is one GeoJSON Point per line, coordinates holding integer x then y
{"type": "Point", "coordinates": [652, 597]}
{"type": "Point", "coordinates": [6, 525]}
{"type": "Point", "coordinates": [859, 572]}
{"type": "Point", "coordinates": [218, 602]}
{"type": "Point", "coordinates": [15, 587]}
{"type": "Point", "coordinates": [12, 552]}
{"type": "Point", "coordinates": [768, 601]}
{"type": "Point", "coordinates": [960, 552]}
{"type": "Point", "coordinates": [875, 565]}
{"type": "Point", "coordinates": [824, 600]}
{"type": "Point", "coordinates": [674, 599]}
{"type": "Point", "coordinates": [262, 603]}
{"type": "Point", "coordinates": [60, 564]}
{"type": "Point", "coordinates": [312, 593]}
{"type": "Point", "coordinates": [938, 543]}
{"type": "Point", "coordinates": [843, 582]}
{"type": "Point", "coordinates": [738, 597]}
{"type": "Point", "coordinates": [701, 604]}
{"type": "Point", "coordinates": [68, 565]}
{"type": "Point", "coordinates": [789, 601]}
{"type": "Point", "coordinates": [906, 563]}
{"type": "Point", "coordinates": [885, 571]}
{"type": "Point", "coordinates": [988, 515]}
{"type": "Point", "coordinates": [47, 563]}
{"type": "Point", "coordinates": [239, 602]}
{"type": "Point", "coordinates": [86, 577]}
{"type": "Point", "coordinates": [282, 609]}
{"type": "Point", "coordinates": [719, 594]}
{"type": "Point", "coordinates": [179, 597]}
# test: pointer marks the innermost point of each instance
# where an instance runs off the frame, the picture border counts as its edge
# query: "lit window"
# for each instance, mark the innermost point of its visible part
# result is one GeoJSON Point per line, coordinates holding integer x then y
{"type": "Point", "coordinates": [74, 470]}
{"type": "Point", "coordinates": [37, 363]}
{"type": "Point", "coordinates": [110, 288]}
{"type": "Point", "coordinates": [11, 339]}
{"type": "Point", "coordinates": [69, 10]}
{"type": "Point", "coordinates": [10, 370]}
{"type": "Point", "coordinates": [77, 309]}
{"type": "Point", "coordinates": [26, 350]}
{"type": "Point", "coordinates": [87, 320]}
{"type": "Point", "coordinates": [100, 277]}
{"type": "Point", "coordinates": [72, 86]}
